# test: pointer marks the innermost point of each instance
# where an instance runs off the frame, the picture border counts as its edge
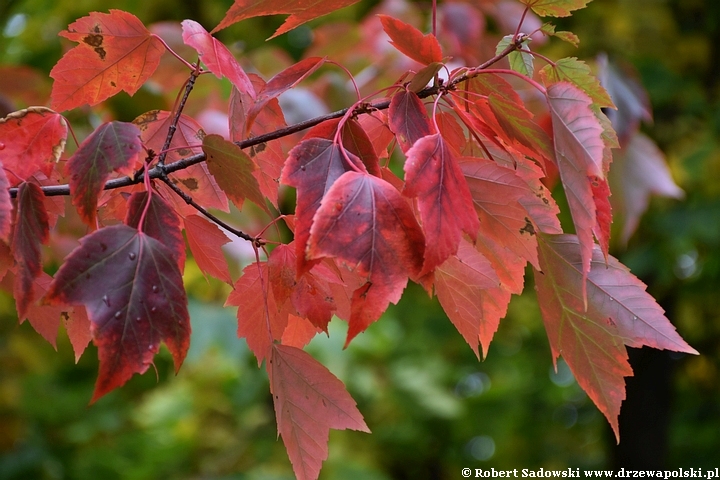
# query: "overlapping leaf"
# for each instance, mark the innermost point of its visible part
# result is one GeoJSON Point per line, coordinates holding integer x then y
{"type": "Point", "coordinates": [312, 167]}
{"type": "Point", "coordinates": [5, 207]}
{"type": "Point", "coordinates": [577, 72]}
{"type": "Point", "coordinates": [300, 12]}
{"type": "Point", "coordinates": [160, 222]}
{"type": "Point", "coordinates": [619, 312]}
{"type": "Point", "coordinates": [309, 401]}
{"type": "Point", "coordinates": [116, 53]}
{"type": "Point", "coordinates": [369, 226]}
{"type": "Point", "coordinates": [32, 140]}
{"type": "Point", "coordinates": [132, 289]}
{"type": "Point", "coordinates": [114, 146]}
{"type": "Point", "coordinates": [30, 231]}
{"type": "Point", "coordinates": [408, 119]}
{"type": "Point", "coordinates": [555, 8]}
{"type": "Point", "coordinates": [410, 41]}
{"type": "Point", "coordinates": [216, 56]}
{"type": "Point", "coordinates": [521, 60]}
{"type": "Point", "coordinates": [433, 175]}
{"type": "Point", "coordinates": [205, 240]}
{"type": "Point", "coordinates": [233, 171]}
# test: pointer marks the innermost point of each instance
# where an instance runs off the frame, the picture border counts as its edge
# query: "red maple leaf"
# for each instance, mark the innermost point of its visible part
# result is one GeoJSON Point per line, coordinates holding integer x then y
{"type": "Point", "coordinates": [116, 52]}
{"type": "Point", "coordinates": [161, 223]}
{"type": "Point", "coordinates": [409, 40]}
{"type": "Point", "coordinates": [205, 240]}
{"type": "Point", "coordinates": [408, 119]}
{"type": "Point", "coordinates": [132, 289]}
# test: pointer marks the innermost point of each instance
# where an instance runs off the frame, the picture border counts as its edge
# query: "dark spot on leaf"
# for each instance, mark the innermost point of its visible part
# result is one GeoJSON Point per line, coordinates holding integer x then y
{"type": "Point", "coordinates": [610, 321]}
{"type": "Point", "coordinates": [528, 228]}
{"type": "Point", "coordinates": [93, 40]}
{"type": "Point", "coordinates": [190, 183]}
{"type": "Point", "coordinates": [101, 52]}
{"type": "Point", "coordinates": [97, 29]}
{"type": "Point", "coordinates": [103, 247]}
{"type": "Point", "coordinates": [184, 151]}
{"type": "Point", "coordinates": [113, 84]}
{"type": "Point", "coordinates": [259, 148]}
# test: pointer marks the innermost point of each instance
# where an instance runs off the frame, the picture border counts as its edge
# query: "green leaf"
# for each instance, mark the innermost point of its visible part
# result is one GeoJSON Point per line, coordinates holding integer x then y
{"type": "Point", "coordinates": [577, 72]}
{"type": "Point", "coordinates": [555, 8]}
{"type": "Point", "coordinates": [521, 61]}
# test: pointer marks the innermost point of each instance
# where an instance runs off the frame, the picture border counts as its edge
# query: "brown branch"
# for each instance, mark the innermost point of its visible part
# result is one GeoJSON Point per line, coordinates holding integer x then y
{"type": "Point", "coordinates": [159, 171]}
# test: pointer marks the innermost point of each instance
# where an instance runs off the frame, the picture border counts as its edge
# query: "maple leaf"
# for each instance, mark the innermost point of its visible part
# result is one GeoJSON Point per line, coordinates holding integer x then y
{"type": "Point", "coordinates": [133, 292]}
{"type": "Point", "coordinates": [353, 138]}
{"type": "Point", "coordinates": [577, 72]}
{"type": "Point", "coordinates": [161, 223]}
{"type": "Point", "coordinates": [309, 401]}
{"type": "Point", "coordinates": [408, 119]}
{"type": "Point", "coordinates": [115, 51]}
{"type": "Point", "coordinates": [30, 231]}
{"type": "Point", "coordinates": [78, 327]}
{"type": "Point", "coordinates": [312, 167]}
{"type": "Point", "coordinates": [521, 60]}
{"type": "Point", "coordinates": [299, 332]}
{"type": "Point", "coordinates": [497, 192]}
{"type": "Point", "coordinates": [45, 319]}
{"type": "Point", "coordinates": [216, 56]}
{"type": "Point", "coordinates": [619, 312]}
{"type": "Point", "coordinates": [410, 41]}
{"type": "Point", "coordinates": [32, 140]}
{"type": "Point", "coordinates": [5, 207]}
{"type": "Point", "coordinates": [114, 146]}
{"type": "Point", "coordinates": [464, 285]}
{"type": "Point", "coordinates": [205, 240]}
{"type": "Point", "coordinates": [233, 171]}
{"type": "Point", "coordinates": [555, 8]}
{"type": "Point", "coordinates": [260, 322]}
{"type": "Point", "coordinates": [433, 175]}
{"type": "Point", "coordinates": [579, 155]}
{"type": "Point", "coordinates": [369, 226]}
{"type": "Point", "coordinates": [300, 12]}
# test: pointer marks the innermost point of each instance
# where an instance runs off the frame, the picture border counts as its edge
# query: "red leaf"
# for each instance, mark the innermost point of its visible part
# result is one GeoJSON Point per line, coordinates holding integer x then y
{"type": "Point", "coordinates": [280, 83]}
{"type": "Point", "coordinates": [497, 193]}
{"type": "Point", "coordinates": [300, 12]}
{"type": "Point", "coordinates": [619, 311]}
{"type": "Point", "coordinates": [464, 286]}
{"type": "Point", "coordinates": [31, 230]}
{"type": "Point", "coordinates": [205, 240]}
{"type": "Point", "coordinates": [368, 225]}
{"type": "Point", "coordinates": [5, 207]}
{"type": "Point", "coordinates": [216, 56]}
{"type": "Point", "coordinates": [45, 319]}
{"type": "Point", "coordinates": [32, 139]}
{"type": "Point", "coordinates": [410, 41]}
{"type": "Point", "coordinates": [312, 167]}
{"type": "Point", "coordinates": [603, 213]}
{"type": "Point", "coordinates": [298, 332]}
{"type": "Point", "coordinates": [113, 146]}
{"type": "Point", "coordinates": [309, 401]}
{"type": "Point", "coordinates": [259, 320]}
{"type": "Point", "coordinates": [161, 223]}
{"type": "Point", "coordinates": [233, 171]}
{"type": "Point", "coordinates": [377, 130]}
{"type": "Point", "coordinates": [353, 138]}
{"type": "Point", "coordinates": [133, 292]}
{"type": "Point", "coordinates": [78, 328]}
{"type": "Point", "coordinates": [116, 52]}
{"type": "Point", "coordinates": [408, 119]}
{"type": "Point", "coordinates": [579, 153]}
{"type": "Point", "coordinates": [433, 175]}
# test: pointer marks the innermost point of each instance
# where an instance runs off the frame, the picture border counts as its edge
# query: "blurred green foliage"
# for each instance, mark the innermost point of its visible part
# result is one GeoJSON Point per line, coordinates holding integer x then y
{"type": "Point", "coordinates": [432, 407]}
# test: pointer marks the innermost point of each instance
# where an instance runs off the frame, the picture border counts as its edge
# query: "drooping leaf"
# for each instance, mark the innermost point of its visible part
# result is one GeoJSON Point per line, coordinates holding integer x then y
{"type": "Point", "coordinates": [114, 146]}
{"type": "Point", "coordinates": [133, 292]}
{"type": "Point", "coordinates": [579, 155]}
{"type": "Point", "coordinates": [375, 125]}
{"type": "Point", "coordinates": [298, 332]}
{"type": "Point", "coordinates": [260, 322]}
{"type": "Point", "coordinates": [410, 41]}
{"type": "Point", "coordinates": [32, 139]}
{"type": "Point", "coordinates": [117, 53]}
{"type": "Point", "coordinates": [216, 56]}
{"type": "Point", "coordinates": [312, 167]}
{"type": "Point", "coordinates": [521, 60]}
{"type": "Point", "coordinates": [78, 327]}
{"type": "Point", "coordinates": [354, 140]}
{"type": "Point", "coordinates": [603, 213]}
{"type": "Point", "coordinates": [30, 231]}
{"type": "Point", "coordinates": [570, 37]}
{"type": "Point", "coordinates": [408, 119]}
{"type": "Point", "coordinates": [195, 180]}
{"type": "Point", "coordinates": [45, 319]}
{"type": "Point", "coordinates": [619, 311]}
{"type": "Point", "coordinates": [300, 12]}
{"type": "Point", "coordinates": [233, 171]}
{"type": "Point", "coordinates": [433, 175]}
{"type": "Point", "coordinates": [464, 286]}
{"type": "Point", "coordinates": [309, 401]}
{"type": "Point", "coordinates": [641, 170]}
{"type": "Point", "coordinates": [160, 222]}
{"type": "Point", "coordinates": [205, 240]}
{"type": "Point", "coordinates": [365, 222]}
{"type": "Point", "coordinates": [577, 72]}
{"type": "Point", "coordinates": [555, 8]}
{"type": "Point", "coordinates": [497, 193]}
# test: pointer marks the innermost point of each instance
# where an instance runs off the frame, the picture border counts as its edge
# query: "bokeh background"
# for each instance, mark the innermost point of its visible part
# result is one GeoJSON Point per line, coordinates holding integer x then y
{"type": "Point", "coordinates": [432, 407]}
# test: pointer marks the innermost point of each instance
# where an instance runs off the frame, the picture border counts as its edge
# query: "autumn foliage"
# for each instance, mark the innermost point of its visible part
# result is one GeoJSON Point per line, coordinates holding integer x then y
{"type": "Point", "coordinates": [474, 150]}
